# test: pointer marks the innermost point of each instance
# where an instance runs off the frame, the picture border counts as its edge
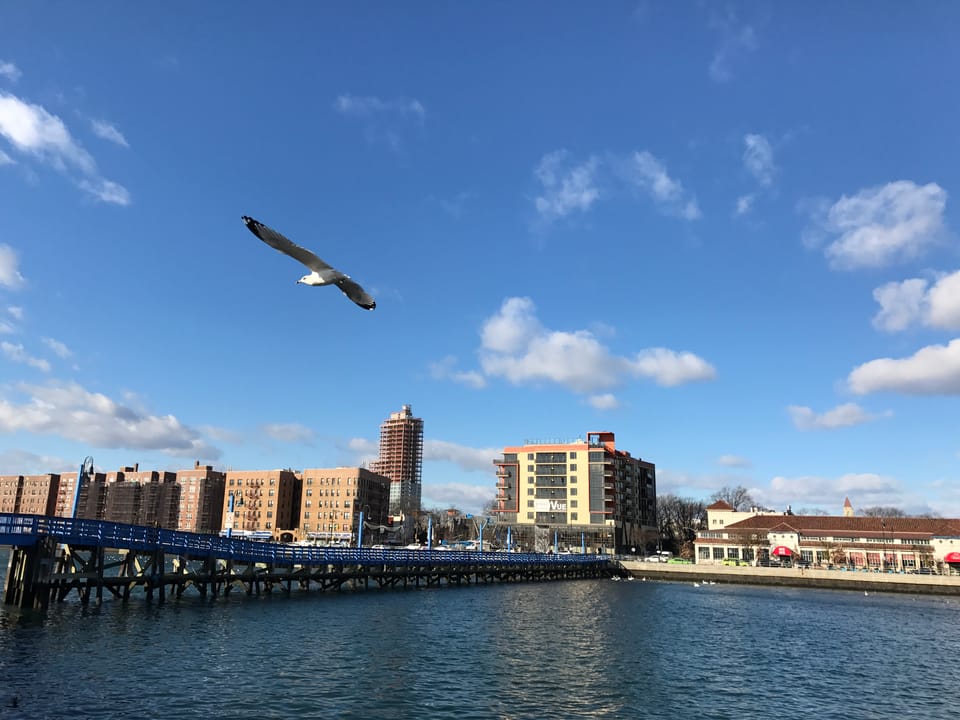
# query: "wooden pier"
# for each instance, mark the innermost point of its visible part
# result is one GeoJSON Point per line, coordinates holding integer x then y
{"type": "Point", "coordinates": [53, 558]}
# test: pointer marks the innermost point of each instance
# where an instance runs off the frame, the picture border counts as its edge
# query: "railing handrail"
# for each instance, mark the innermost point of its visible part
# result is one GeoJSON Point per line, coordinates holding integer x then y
{"type": "Point", "coordinates": [16, 529]}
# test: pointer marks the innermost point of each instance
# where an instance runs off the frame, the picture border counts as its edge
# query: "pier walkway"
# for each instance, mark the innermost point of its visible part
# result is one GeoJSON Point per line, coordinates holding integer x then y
{"type": "Point", "coordinates": [53, 557]}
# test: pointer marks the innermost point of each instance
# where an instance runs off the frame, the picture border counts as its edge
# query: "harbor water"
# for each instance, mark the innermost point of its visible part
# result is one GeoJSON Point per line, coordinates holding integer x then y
{"type": "Point", "coordinates": [596, 648]}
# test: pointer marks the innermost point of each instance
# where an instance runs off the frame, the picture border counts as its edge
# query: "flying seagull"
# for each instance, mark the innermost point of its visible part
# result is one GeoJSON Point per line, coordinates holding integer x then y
{"type": "Point", "coordinates": [321, 273]}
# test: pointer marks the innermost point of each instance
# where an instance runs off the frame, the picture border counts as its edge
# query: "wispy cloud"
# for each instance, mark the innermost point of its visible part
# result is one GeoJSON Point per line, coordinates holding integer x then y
{"type": "Point", "coordinates": [868, 488]}
{"type": "Point", "coordinates": [918, 301]}
{"type": "Point", "coordinates": [289, 433]}
{"type": "Point", "coordinates": [10, 276]}
{"type": "Point", "coordinates": [758, 158]}
{"type": "Point", "coordinates": [446, 369]}
{"type": "Point", "coordinates": [9, 71]}
{"type": "Point", "coordinates": [880, 225]}
{"type": "Point", "coordinates": [565, 188]}
{"type": "Point", "coordinates": [604, 401]}
{"type": "Point", "coordinates": [6, 159]}
{"type": "Point", "coordinates": [367, 106]}
{"type": "Point", "coordinates": [733, 461]}
{"type": "Point", "coordinates": [463, 456]}
{"type": "Point", "coordinates": [70, 411]}
{"type": "Point", "coordinates": [382, 119]}
{"type": "Point", "coordinates": [58, 348]}
{"type": "Point", "coordinates": [932, 370]}
{"type": "Point", "coordinates": [24, 462]}
{"type": "Point", "coordinates": [109, 132]}
{"type": "Point", "coordinates": [649, 175]}
{"type": "Point", "coordinates": [515, 346]}
{"type": "Point", "coordinates": [15, 312]}
{"type": "Point", "coordinates": [18, 354]}
{"type": "Point", "coordinates": [845, 415]}
{"type": "Point", "coordinates": [735, 39]}
{"type": "Point", "coordinates": [745, 204]}
{"type": "Point", "coordinates": [33, 131]}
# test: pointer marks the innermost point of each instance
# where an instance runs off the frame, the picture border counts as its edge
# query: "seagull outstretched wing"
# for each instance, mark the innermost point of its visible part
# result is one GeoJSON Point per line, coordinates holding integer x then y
{"type": "Point", "coordinates": [285, 245]}
{"type": "Point", "coordinates": [327, 273]}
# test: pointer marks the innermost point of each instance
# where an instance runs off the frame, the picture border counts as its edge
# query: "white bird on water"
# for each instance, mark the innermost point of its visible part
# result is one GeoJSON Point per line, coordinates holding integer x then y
{"type": "Point", "coordinates": [321, 273]}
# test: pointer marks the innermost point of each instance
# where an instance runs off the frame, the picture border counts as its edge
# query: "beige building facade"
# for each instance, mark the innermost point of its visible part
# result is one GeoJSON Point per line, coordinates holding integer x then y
{"type": "Point", "coordinates": [332, 499]}
{"type": "Point", "coordinates": [261, 503]}
{"type": "Point", "coordinates": [584, 494]}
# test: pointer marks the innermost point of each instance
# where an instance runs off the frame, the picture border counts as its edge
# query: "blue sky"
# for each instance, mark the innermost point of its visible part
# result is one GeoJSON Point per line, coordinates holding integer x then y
{"type": "Point", "coordinates": [725, 232]}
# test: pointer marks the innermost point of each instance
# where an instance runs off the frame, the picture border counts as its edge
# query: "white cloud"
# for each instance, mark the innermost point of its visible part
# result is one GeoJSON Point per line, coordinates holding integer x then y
{"type": "Point", "coordinates": [745, 204]}
{"type": "Point", "coordinates": [33, 131]}
{"type": "Point", "coordinates": [845, 415]}
{"type": "Point", "coordinates": [606, 401]}
{"type": "Point", "coordinates": [649, 175]}
{"type": "Point", "coordinates": [463, 456]}
{"type": "Point", "coordinates": [15, 311]}
{"type": "Point", "coordinates": [733, 461]}
{"type": "Point", "coordinates": [6, 328]}
{"type": "Point", "coordinates": [670, 368]}
{"type": "Point", "coordinates": [6, 159]}
{"type": "Point", "coordinates": [109, 132]}
{"type": "Point", "coordinates": [70, 411]}
{"type": "Point", "coordinates": [565, 189]}
{"type": "Point", "coordinates": [932, 370]}
{"type": "Point", "coordinates": [367, 106]}
{"type": "Point", "coordinates": [758, 158]}
{"type": "Point", "coordinates": [288, 432]}
{"type": "Point", "coordinates": [445, 369]}
{"type": "Point", "coordinates": [917, 301]}
{"type": "Point", "coordinates": [57, 347]}
{"type": "Point", "coordinates": [382, 119]}
{"type": "Point", "coordinates": [867, 488]}
{"type": "Point", "coordinates": [17, 354]}
{"type": "Point", "coordinates": [463, 496]}
{"type": "Point", "coordinates": [10, 276]}
{"type": "Point", "coordinates": [901, 304]}
{"type": "Point", "coordinates": [735, 39]}
{"type": "Point", "coordinates": [881, 225]}
{"type": "Point", "coordinates": [9, 71]}
{"type": "Point", "coordinates": [943, 303]}
{"type": "Point", "coordinates": [515, 346]}
{"type": "Point", "coordinates": [106, 191]}
{"type": "Point", "coordinates": [24, 462]}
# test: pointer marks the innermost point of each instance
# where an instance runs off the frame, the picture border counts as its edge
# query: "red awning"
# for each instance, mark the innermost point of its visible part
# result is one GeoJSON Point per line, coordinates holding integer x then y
{"type": "Point", "coordinates": [952, 557]}
{"type": "Point", "coordinates": [781, 551]}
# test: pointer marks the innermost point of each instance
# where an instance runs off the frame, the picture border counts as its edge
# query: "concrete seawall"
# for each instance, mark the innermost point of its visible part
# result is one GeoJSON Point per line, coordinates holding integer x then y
{"type": "Point", "coordinates": [798, 577]}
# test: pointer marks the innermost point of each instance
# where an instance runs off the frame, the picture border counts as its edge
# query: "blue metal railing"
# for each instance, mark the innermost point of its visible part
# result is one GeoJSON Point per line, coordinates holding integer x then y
{"type": "Point", "coordinates": [26, 530]}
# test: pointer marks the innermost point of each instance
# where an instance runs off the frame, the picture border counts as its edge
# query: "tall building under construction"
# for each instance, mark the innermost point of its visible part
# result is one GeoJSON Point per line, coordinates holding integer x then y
{"type": "Point", "coordinates": [401, 460]}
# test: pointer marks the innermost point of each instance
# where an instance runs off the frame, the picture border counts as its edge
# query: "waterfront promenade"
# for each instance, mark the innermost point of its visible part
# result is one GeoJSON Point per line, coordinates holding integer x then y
{"type": "Point", "coordinates": [797, 577]}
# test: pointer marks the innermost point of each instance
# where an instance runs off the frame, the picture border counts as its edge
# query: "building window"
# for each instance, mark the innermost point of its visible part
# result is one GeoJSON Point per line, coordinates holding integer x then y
{"type": "Point", "coordinates": [529, 456]}
{"type": "Point", "coordinates": [573, 503]}
{"type": "Point", "coordinates": [573, 467]}
{"type": "Point", "coordinates": [718, 553]}
{"type": "Point", "coordinates": [310, 493]}
{"type": "Point", "coordinates": [529, 503]}
{"type": "Point", "coordinates": [573, 455]}
{"type": "Point", "coordinates": [530, 491]}
{"type": "Point", "coordinates": [573, 516]}
{"type": "Point", "coordinates": [529, 516]}
{"type": "Point", "coordinates": [573, 490]}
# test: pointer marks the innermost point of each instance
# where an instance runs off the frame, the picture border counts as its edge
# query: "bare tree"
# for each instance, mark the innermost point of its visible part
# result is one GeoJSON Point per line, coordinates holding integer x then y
{"type": "Point", "coordinates": [678, 520]}
{"type": "Point", "coordinates": [882, 511]}
{"type": "Point", "coordinates": [739, 497]}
